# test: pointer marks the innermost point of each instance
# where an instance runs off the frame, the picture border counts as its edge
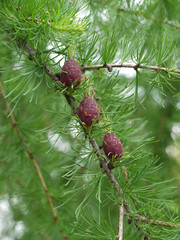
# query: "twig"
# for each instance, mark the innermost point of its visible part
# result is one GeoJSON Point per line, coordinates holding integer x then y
{"type": "Point", "coordinates": [121, 215]}
{"type": "Point", "coordinates": [104, 167]}
{"type": "Point", "coordinates": [103, 163]}
{"type": "Point", "coordinates": [122, 207]}
{"type": "Point", "coordinates": [48, 70]}
{"type": "Point", "coordinates": [129, 65]}
{"type": "Point", "coordinates": [155, 222]}
{"type": "Point", "coordinates": [72, 103]}
{"type": "Point", "coordinates": [31, 156]}
{"type": "Point", "coordinates": [148, 17]}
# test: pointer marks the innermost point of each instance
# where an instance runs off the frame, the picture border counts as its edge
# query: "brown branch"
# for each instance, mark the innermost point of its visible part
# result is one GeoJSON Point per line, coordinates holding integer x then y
{"type": "Point", "coordinates": [138, 14]}
{"type": "Point", "coordinates": [103, 163]}
{"type": "Point", "coordinates": [129, 65]}
{"type": "Point", "coordinates": [48, 70]}
{"type": "Point", "coordinates": [31, 156]}
{"type": "Point", "coordinates": [104, 167]}
{"type": "Point", "coordinates": [126, 209]}
{"type": "Point", "coordinates": [155, 222]}
{"type": "Point", "coordinates": [121, 216]}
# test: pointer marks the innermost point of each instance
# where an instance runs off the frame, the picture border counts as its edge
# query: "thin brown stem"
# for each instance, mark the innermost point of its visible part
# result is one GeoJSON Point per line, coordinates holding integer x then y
{"type": "Point", "coordinates": [121, 216]}
{"type": "Point", "coordinates": [156, 19]}
{"type": "Point", "coordinates": [154, 222]}
{"type": "Point", "coordinates": [122, 207]}
{"type": "Point", "coordinates": [104, 166]}
{"type": "Point", "coordinates": [129, 65]}
{"type": "Point", "coordinates": [31, 156]}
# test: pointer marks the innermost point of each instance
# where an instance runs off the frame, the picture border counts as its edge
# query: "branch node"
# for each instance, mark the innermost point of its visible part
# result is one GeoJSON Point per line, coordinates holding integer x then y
{"type": "Point", "coordinates": [136, 67]}
{"type": "Point", "coordinates": [109, 68]}
{"type": "Point", "coordinates": [82, 69]}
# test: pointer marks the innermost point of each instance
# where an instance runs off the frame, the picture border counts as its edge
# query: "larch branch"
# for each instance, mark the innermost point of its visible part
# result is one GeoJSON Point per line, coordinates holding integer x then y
{"type": "Point", "coordinates": [121, 216]}
{"type": "Point", "coordinates": [104, 167]}
{"type": "Point", "coordinates": [155, 222]}
{"type": "Point", "coordinates": [129, 65]}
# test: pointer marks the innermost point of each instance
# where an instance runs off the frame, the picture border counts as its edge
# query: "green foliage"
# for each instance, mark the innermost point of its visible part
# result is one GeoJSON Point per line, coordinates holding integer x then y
{"type": "Point", "coordinates": [141, 109]}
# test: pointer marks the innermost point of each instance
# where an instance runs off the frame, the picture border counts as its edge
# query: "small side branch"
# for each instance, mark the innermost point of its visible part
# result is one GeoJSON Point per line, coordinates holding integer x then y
{"type": "Point", "coordinates": [121, 216]}
{"type": "Point", "coordinates": [154, 222]}
{"type": "Point", "coordinates": [129, 65]}
{"type": "Point", "coordinates": [31, 156]}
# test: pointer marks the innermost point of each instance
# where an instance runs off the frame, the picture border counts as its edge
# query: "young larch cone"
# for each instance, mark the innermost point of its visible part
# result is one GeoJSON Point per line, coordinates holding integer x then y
{"type": "Point", "coordinates": [112, 146]}
{"type": "Point", "coordinates": [70, 73]}
{"type": "Point", "coordinates": [88, 111]}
